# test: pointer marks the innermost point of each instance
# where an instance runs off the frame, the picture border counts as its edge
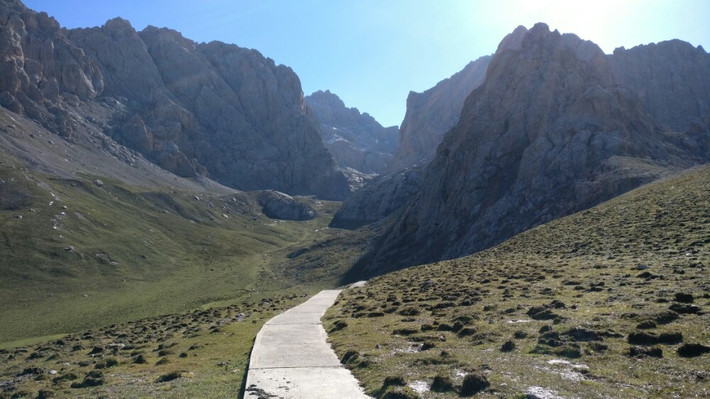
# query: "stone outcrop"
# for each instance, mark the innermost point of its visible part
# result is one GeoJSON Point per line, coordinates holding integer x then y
{"type": "Point", "coordinates": [355, 139]}
{"type": "Point", "coordinates": [549, 133]}
{"type": "Point", "coordinates": [277, 205]}
{"type": "Point", "coordinates": [433, 113]}
{"type": "Point", "coordinates": [192, 108]}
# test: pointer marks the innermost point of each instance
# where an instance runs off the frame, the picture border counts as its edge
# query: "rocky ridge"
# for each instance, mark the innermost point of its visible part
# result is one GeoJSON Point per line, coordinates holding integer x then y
{"type": "Point", "coordinates": [550, 132]}
{"type": "Point", "coordinates": [355, 139]}
{"type": "Point", "coordinates": [194, 109]}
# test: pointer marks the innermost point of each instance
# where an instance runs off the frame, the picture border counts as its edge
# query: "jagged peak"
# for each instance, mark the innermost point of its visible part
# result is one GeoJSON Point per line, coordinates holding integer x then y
{"type": "Point", "coordinates": [328, 97]}
{"type": "Point", "coordinates": [118, 24]}
{"type": "Point", "coordinates": [167, 34]}
{"type": "Point", "coordinates": [522, 38]}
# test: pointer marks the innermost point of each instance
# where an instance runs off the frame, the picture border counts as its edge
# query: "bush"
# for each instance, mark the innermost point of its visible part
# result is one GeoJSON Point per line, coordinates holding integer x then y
{"type": "Point", "coordinates": [442, 384]}
{"type": "Point", "coordinates": [394, 380]}
{"type": "Point", "coordinates": [168, 377]}
{"type": "Point", "coordinates": [338, 325]}
{"type": "Point", "coordinates": [92, 379]}
{"type": "Point", "coordinates": [473, 384]}
{"type": "Point", "coordinates": [107, 363]}
{"type": "Point", "coordinates": [507, 346]}
{"type": "Point", "coordinates": [350, 357]}
{"type": "Point", "coordinates": [693, 350]}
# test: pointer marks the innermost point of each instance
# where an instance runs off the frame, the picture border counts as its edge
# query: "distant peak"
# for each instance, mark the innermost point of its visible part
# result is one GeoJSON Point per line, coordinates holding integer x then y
{"type": "Point", "coordinates": [323, 93]}
{"type": "Point", "coordinates": [326, 97]}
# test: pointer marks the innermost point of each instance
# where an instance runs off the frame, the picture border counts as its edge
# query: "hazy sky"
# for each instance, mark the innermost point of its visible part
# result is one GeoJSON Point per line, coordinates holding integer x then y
{"type": "Point", "coordinates": [371, 53]}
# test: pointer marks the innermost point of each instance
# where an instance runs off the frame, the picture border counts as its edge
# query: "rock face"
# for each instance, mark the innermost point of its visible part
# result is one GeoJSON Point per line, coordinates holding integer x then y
{"type": "Point", "coordinates": [41, 71]}
{"type": "Point", "coordinates": [433, 113]}
{"type": "Point", "coordinates": [550, 132]}
{"type": "Point", "coordinates": [672, 79]}
{"type": "Point", "coordinates": [379, 198]}
{"type": "Point", "coordinates": [194, 109]}
{"type": "Point", "coordinates": [356, 140]}
{"type": "Point", "coordinates": [277, 205]}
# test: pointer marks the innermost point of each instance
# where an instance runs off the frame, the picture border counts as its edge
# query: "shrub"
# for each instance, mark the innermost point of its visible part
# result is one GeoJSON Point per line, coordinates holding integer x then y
{"type": "Point", "coordinates": [168, 377]}
{"type": "Point", "coordinates": [473, 384]}
{"type": "Point", "coordinates": [442, 384]}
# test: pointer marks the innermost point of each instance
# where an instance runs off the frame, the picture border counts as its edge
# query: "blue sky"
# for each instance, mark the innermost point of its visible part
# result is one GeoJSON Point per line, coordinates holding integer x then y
{"type": "Point", "coordinates": [373, 52]}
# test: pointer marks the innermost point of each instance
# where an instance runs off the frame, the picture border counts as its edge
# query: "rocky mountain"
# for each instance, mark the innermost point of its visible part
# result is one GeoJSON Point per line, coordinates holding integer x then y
{"type": "Point", "coordinates": [550, 132]}
{"type": "Point", "coordinates": [433, 113]}
{"type": "Point", "coordinates": [194, 109]}
{"type": "Point", "coordinates": [355, 139]}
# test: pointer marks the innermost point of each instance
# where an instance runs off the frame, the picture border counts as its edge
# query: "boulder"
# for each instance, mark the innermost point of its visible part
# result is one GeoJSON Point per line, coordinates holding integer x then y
{"type": "Point", "coordinates": [277, 205]}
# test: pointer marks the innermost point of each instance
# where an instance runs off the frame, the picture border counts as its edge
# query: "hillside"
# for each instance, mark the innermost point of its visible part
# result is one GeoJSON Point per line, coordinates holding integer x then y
{"type": "Point", "coordinates": [608, 302]}
{"type": "Point", "coordinates": [93, 234]}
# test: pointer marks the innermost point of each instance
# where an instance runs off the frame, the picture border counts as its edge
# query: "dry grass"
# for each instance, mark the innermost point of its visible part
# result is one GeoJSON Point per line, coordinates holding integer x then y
{"type": "Point", "coordinates": [558, 311]}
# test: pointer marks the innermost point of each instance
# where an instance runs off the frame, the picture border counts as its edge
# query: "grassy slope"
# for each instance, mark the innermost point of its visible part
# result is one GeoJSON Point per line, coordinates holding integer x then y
{"type": "Point", "coordinates": [160, 264]}
{"type": "Point", "coordinates": [165, 272]}
{"type": "Point", "coordinates": [207, 350]}
{"type": "Point", "coordinates": [614, 268]}
{"type": "Point", "coordinates": [84, 255]}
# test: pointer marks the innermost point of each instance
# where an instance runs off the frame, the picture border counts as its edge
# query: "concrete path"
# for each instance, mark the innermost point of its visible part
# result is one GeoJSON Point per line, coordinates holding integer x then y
{"type": "Point", "coordinates": [292, 360]}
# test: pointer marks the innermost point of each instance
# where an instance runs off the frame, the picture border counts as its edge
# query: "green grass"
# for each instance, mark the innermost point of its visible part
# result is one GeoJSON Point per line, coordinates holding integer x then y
{"type": "Point", "coordinates": [76, 255]}
{"type": "Point", "coordinates": [588, 270]}
{"type": "Point", "coordinates": [207, 350]}
{"type": "Point", "coordinates": [87, 264]}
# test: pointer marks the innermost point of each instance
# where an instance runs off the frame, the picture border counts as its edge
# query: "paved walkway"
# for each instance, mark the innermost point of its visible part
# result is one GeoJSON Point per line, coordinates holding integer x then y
{"type": "Point", "coordinates": [292, 360]}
